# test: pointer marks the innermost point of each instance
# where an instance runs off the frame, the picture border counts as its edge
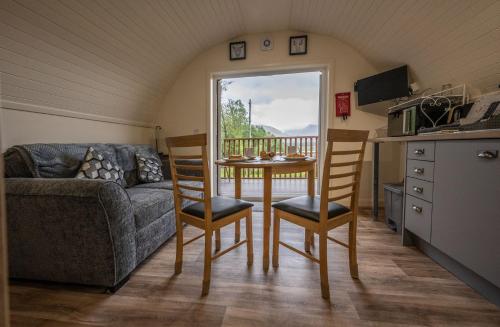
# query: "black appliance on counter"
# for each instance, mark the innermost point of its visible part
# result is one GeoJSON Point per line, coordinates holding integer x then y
{"type": "Point", "coordinates": [403, 122]}
{"type": "Point", "coordinates": [409, 119]}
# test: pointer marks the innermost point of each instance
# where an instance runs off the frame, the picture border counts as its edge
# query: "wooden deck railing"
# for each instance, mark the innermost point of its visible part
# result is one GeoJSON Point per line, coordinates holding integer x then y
{"type": "Point", "coordinates": [305, 144]}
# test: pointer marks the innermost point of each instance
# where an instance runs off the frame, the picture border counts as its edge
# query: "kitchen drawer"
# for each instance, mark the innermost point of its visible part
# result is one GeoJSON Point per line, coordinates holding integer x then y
{"type": "Point", "coordinates": [419, 188]}
{"type": "Point", "coordinates": [421, 150]}
{"type": "Point", "coordinates": [418, 217]}
{"type": "Point", "coordinates": [420, 170]}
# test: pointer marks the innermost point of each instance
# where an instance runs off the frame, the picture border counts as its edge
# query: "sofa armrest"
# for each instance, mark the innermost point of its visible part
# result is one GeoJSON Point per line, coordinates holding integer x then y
{"type": "Point", "coordinates": [70, 230]}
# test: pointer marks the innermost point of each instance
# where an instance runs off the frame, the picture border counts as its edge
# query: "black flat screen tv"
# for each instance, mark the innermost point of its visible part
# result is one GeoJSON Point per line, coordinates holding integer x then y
{"type": "Point", "coordinates": [388, 85]}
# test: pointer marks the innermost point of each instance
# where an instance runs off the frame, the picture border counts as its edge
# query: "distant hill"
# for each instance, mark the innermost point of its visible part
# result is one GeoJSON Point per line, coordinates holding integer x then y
{"type": "Point", "coordinates": [309, 130]}
{"type": "Point", "coordinates": [273, 130]}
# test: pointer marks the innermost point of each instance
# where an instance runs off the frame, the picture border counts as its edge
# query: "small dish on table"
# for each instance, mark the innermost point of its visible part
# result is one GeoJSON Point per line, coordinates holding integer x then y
{"type": "Point", "coordinates": [236, 158]}
{"type": "Point", "coordinates": [295, 157]}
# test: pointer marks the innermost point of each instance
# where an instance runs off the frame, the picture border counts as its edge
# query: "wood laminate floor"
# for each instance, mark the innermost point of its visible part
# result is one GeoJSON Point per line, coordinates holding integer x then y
{"type": "Point", "coordinates": [397, 286]}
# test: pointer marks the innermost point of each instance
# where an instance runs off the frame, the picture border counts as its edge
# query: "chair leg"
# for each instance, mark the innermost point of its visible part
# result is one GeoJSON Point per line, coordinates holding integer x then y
{"type": "Point", "coordinates": [208, 263]}
{"type": "Point", "coordinates": [217, 240]}
{"type": "Point", "coordinates": [179, 246]}
{"type": "Point", "coordinates": [312, 239]}
{"type": "Point", "coordinates": [276, 239]}
{"type": "Point", "coordinates": [249, 237]}
{"type": "Point", "coordinates": [307, 240]}
{"type": "Point", "coordinates": [237, 231]}
{"type": "Point", "coordinates": [353, 260]}
{"type": "Point", "coordinates": [323, 265]}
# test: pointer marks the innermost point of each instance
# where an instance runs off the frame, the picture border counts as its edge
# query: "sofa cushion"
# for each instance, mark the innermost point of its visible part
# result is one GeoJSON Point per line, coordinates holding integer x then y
{"type": "Point", "coordinates": [167, 174]}
{"type": "Point", "coordinates": [96, 166]}
{"type": "Point", "coordinates": [149, 204]}
{"type": "Point", "coordinates": [169, 185]}
{"type": "Point", "coordinates": [148, 169]}
{"type": "Point", "coordinates": [126, 158]}
{"type": "Point", "coordinates": [163, 185]}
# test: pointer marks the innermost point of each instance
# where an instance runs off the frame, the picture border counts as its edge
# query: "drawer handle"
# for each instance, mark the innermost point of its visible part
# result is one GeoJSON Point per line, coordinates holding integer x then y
{"type": "Point", "coordinates": [419, 152]}
{"type": "Point", "coordinates": [488, 154]}
{"type": "Point", "coordinates": [416, 209]}
{"type": "Point", "coordinates": [418, 189]}
{"type": "Point", "coordinates": [418, 171]}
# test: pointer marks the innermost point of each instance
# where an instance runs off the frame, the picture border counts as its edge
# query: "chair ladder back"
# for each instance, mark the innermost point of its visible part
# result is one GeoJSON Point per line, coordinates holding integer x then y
{"type": "Point", "coordinates": [325, 184]}
{"type": "Point", "coordinates": [179, 172]}
{"type": "Point", "coordinates": [342, 177]}
{"type": "Point", "coordinates": [359, 168]}
{"type": "Point", "coordinates": [207, 189]}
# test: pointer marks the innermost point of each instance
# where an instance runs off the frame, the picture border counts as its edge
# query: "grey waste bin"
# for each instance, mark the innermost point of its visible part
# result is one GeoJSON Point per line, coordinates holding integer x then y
{"type": "Point", "coordinates": [393, 205]}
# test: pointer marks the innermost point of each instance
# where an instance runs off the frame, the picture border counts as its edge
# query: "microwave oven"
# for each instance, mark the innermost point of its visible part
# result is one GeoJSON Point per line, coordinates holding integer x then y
{"type": "Point", "coordinates": [403, 122]}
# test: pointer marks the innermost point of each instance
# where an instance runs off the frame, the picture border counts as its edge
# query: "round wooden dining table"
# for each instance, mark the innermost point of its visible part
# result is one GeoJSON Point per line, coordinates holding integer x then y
{"type": "Point", "coordinates": [270, 167]}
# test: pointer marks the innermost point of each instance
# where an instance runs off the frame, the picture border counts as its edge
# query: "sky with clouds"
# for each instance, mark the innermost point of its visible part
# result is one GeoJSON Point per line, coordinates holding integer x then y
{"type": "Point", "coordinates": [286, 101]}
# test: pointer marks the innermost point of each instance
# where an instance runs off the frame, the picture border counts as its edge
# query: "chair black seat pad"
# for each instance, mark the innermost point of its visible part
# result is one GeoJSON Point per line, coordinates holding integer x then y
{"type": "Point", "coordinates": [308, 207]}
{"type": "Point", "coordinates": [221, 207]}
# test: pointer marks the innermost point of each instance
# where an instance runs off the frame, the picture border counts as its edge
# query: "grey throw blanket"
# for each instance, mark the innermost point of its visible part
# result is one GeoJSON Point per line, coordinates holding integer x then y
{"type": "Point", "coordinates": [56, 160]}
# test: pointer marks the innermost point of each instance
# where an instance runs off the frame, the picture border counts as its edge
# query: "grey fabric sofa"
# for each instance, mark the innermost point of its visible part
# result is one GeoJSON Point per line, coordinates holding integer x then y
{"type": "Point", "coordinates": [69, 230]}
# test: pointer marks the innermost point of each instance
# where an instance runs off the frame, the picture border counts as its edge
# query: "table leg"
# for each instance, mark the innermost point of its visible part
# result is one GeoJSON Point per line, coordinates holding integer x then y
{"type": "Point", "coordinates": [237, 195]}
{"type": "Point", "coordinates": [375, 181]}
{"type": "Point", "coordinates": [308, 235]}
{"type": "Point", "coordinates": [268, 179]}
{"type": "Point", "coordinates": [307, 240]}
{"type": "Point", "coordinates": [310, 182]}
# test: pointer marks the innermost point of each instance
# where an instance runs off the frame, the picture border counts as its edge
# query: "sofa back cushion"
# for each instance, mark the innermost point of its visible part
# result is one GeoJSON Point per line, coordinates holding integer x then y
{"type": "Point", "coordinates": [96, 166]}
{"type": "Point", "coordinates": [125, 155]}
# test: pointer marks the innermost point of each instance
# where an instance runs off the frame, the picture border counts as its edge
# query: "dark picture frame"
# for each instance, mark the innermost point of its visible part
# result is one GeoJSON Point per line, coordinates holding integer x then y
{"type": "Point", "coordinates": [235, 48]}
{"type": "Point", "coordinates": [294, 49]}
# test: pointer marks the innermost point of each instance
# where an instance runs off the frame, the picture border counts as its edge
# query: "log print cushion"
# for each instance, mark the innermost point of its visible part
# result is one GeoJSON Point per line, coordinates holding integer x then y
{"type": "Point", "coordinates": [148, 169]}
{"type": "Point", "coordinates": [95, 166]}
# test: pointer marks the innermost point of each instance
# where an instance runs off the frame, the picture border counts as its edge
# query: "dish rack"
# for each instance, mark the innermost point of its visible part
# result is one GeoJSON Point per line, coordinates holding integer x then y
{"type": "Point", "coordinates": [455, 96]}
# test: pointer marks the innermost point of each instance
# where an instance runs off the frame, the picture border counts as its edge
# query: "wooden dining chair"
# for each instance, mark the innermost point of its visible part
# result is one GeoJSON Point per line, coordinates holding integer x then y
{"type": "Point", "coordinates": [323, 213]}
{"type": "Point", "coordinates": [207, 213]}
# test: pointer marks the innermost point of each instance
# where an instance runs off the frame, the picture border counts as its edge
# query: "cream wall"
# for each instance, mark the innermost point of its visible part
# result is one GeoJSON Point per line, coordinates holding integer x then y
{"type": "Point", "coordinates": [187, 105]}
{"type": "Point", "coordinates": [21, 127]}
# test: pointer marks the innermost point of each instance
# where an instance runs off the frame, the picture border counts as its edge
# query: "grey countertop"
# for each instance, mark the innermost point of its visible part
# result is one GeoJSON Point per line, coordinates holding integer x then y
{"type": "Point", "coordinates": [466, 135]}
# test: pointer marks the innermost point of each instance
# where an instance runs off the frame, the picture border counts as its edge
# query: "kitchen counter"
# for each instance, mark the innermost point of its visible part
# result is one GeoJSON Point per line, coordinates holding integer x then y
{"type": "Point", "coordinates": [462, 135]}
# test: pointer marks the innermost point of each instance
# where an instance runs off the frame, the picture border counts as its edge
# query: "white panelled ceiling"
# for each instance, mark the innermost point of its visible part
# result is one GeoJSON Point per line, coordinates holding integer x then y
{"type": "Point", "coordinates": [117, 58]}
